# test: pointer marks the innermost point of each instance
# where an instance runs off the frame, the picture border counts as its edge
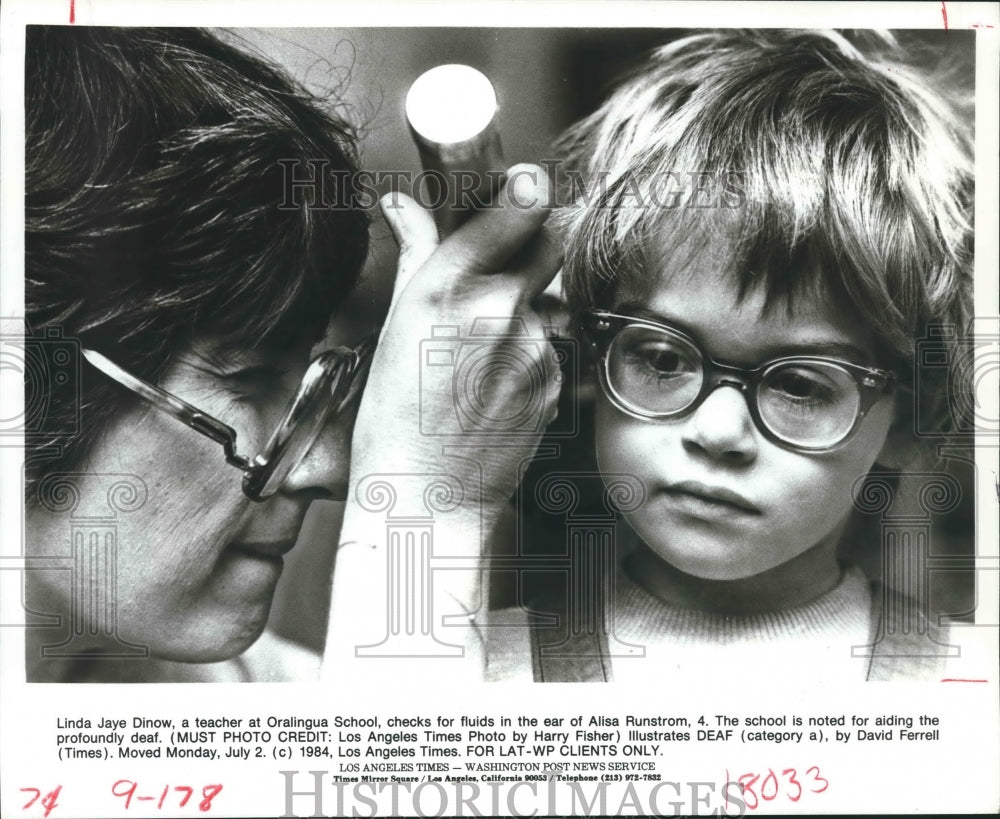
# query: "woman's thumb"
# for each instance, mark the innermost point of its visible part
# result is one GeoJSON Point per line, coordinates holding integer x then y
{"type": "Point", "coordinates": [415, 233]}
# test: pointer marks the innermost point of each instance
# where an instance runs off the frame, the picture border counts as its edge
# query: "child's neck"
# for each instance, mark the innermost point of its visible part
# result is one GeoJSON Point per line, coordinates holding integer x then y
{"type": "Point", "coordinates": [794, 583]}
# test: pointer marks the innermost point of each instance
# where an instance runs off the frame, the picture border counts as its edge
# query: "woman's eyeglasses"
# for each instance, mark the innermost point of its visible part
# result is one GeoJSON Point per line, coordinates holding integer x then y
{"type": "Point", "coordinates": [332, 381]}
{"type": "Point", "coordinates": [653, 371]}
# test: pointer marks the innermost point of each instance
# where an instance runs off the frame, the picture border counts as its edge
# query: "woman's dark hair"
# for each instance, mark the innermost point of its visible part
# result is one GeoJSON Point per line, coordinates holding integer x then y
{"type": "Point", "coordinates": [157, 206]}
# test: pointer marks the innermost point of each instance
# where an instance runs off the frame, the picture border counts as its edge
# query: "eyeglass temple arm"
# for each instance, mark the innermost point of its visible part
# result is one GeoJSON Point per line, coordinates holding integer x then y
{"type": "Point", "coordinates": [881, 380]}
{"type": "Point", "coordinates": [220, 433]}
{"type": "Point", "coordinates": [172, 405]}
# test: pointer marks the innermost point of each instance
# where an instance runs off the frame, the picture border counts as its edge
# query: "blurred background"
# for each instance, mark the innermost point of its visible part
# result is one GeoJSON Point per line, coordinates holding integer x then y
{"type": "Point", "coordinates": [545, 80]}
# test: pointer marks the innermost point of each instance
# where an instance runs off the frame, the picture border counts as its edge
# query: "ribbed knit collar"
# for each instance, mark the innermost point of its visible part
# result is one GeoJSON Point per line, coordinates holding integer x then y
{"type": "Point", "coordinates": [642, 618]}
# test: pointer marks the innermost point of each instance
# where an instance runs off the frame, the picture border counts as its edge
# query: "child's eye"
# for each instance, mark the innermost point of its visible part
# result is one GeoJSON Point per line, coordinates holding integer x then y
{"type": "Point", "coordinates": [803, 386]}
{"type": "Point", "coordinates": [659, 359]}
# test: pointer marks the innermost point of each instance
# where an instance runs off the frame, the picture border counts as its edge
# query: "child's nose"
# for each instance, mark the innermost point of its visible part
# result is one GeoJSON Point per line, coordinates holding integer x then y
{"type": "Point", "coordinates": [721, 427]}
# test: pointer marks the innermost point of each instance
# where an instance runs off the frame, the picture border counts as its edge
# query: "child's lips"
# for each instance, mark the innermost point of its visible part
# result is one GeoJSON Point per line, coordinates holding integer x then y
{"type": "Point", "coordinates": [700, 499]}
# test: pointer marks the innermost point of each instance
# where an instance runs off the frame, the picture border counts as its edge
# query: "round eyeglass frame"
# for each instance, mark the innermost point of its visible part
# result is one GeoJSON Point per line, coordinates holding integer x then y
{"type": "Point", "coordinates": [601, 327]}
{"type": "Point", "coordinates": [339, 371]}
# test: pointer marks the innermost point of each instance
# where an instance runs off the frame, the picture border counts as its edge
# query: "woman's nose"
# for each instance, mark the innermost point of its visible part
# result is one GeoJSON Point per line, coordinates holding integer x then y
{"type": "Point", "coordinates": [324, 471]}
{"type": "Point", "coordinates": [722, 427]}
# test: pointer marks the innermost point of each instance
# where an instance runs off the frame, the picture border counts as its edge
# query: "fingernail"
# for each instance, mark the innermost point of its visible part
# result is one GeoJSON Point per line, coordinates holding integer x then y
{"type": "Point", "coordinates": [390, 202]}
{"type": "Point", "coordinates": [527, 187]}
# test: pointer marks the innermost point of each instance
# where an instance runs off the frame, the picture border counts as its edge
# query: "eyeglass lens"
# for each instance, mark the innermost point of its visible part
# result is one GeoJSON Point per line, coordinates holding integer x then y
{"type": "Point", "coordinates": [309, 415]}
{"type": "Point", "coordinates": [808, 403]}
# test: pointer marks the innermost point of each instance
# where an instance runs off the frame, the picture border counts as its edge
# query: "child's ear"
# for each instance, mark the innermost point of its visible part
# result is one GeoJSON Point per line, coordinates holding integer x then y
{"type": "Point", "coordinates": [902, 450]}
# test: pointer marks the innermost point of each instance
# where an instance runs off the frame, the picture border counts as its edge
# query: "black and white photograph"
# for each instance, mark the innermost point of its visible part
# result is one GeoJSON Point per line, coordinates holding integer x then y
{"type": "Point", "coordinates": [376, 364]}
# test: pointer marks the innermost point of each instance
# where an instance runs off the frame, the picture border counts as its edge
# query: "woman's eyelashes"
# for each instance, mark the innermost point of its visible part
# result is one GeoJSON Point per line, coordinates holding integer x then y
{"type": "Point", "coordinates": [255, 380]}
{"type": "Point", "coordinates": [236, 378]}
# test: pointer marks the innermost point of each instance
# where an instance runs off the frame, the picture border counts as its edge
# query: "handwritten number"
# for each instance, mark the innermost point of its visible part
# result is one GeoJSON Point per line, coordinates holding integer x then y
{"type": "Point", "coordinates": [128, 793]}
{"type": "Point", "coordinates": [48, 801]}
{"type": "Point", "coordinates": [792, 780]}
{"type": "Point", "coordinates": [33, 799]}
{"type": "Point", "coordinates": [774, 786]}
{"type": "Point", "coordinates": [818, 778]}
{"type": "Point", "coordinates": [209, 792]}
{"type": "Point", "coordinates": [748, 788]}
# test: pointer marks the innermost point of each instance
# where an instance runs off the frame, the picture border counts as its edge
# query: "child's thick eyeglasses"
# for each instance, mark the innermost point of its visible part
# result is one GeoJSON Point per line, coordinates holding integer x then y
{"type": "Point", "coordinates": [653, 371]}
{"type": "Point", "coordinates": [333, 380]}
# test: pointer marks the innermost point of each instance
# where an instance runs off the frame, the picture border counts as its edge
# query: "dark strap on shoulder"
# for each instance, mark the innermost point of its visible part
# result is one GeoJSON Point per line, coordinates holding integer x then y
{"type": "Point", "coordinates": [904, 643]}
{"type": "Point", "coordinates": [559, 654]}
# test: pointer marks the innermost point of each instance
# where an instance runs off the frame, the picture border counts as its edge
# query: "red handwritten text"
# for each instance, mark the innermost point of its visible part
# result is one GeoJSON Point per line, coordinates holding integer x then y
{"type": "Point", "coordinates": [48, 801]}
{"type": "Point", "coordinates": [768, 786]}
{"type": "Point", "coordinates": [126, 789]}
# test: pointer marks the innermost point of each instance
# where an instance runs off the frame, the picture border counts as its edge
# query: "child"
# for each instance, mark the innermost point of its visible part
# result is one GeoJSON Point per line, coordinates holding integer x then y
{"type": "Point", "coordinates": [770, 222]}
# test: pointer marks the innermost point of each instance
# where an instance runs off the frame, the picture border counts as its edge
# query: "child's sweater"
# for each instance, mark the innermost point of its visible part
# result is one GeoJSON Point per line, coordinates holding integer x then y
{"type": "Point", "coordinates": [826, 640]}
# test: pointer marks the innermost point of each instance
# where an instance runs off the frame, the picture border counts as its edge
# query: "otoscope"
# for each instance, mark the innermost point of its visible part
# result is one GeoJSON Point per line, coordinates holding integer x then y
{"type": "Point", "coordinates": [451, 111]}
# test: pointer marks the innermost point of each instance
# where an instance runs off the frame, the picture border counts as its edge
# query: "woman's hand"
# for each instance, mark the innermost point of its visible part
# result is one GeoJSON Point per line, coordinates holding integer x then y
{"type": "Point", "coordinates": [461, 388]}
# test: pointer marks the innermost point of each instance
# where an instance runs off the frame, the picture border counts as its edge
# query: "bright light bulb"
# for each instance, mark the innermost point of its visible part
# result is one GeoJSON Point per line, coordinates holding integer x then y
{"type": "Point", "coordinates": [451, 103]}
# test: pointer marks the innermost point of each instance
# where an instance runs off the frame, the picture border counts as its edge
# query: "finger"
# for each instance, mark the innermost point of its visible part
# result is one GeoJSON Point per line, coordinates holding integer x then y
{"type": "Point", "coordinates": [537, 263]}
{"type": "Point", "coordinates": [415, 233]}
{"type": "Point", "coordinates": [552, 309]}
{"type": "Point", "coordinates": [484, 244]}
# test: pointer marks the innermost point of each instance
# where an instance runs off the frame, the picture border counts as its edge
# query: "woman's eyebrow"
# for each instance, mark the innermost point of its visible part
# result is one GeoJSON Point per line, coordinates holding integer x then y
{"type": "Point", "coordinates": [830, 347]}
{"type": "Point", "coordinates": [223, 362]}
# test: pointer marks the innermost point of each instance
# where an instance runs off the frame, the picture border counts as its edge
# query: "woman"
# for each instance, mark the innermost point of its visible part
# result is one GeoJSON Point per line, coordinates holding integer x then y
{"type": "Point", "coordinates": [187, 283]}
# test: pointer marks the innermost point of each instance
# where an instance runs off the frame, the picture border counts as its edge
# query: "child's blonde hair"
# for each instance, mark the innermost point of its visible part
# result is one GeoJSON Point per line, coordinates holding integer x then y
{"type": "Point", "coordinates": [823, 168]}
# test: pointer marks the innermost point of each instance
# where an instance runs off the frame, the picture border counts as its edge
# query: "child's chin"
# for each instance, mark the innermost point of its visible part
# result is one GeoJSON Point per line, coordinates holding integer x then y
{"type": "Point", "coordinates": [708, 563]}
